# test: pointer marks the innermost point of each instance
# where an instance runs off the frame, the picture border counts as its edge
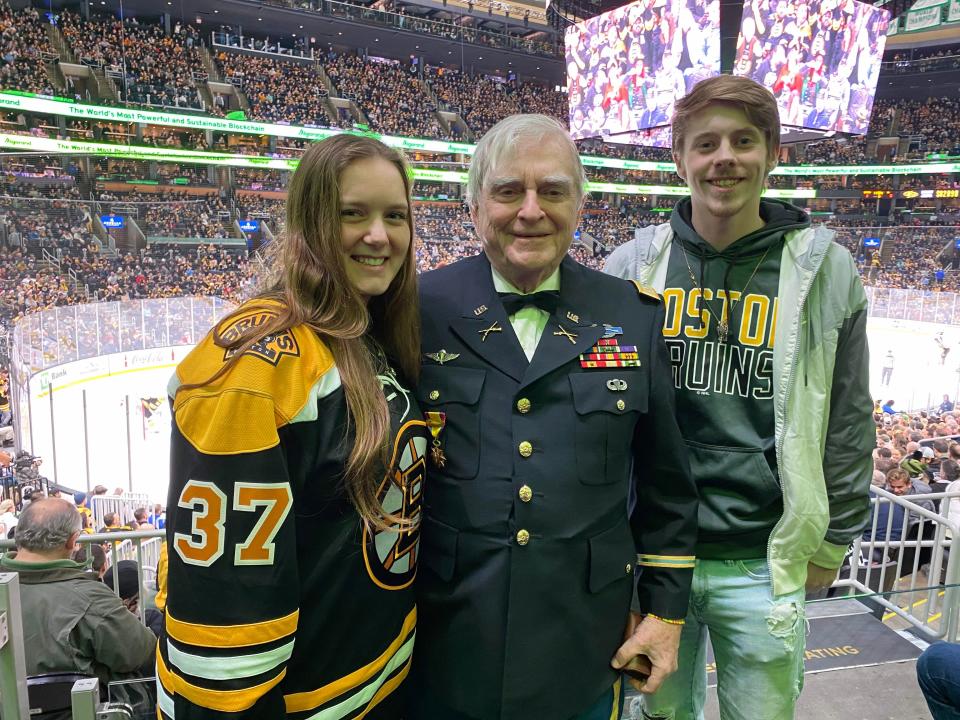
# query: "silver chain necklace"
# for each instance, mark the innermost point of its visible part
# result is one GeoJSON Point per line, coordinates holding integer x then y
{"type": "Point", "coordinates": [723, 325]}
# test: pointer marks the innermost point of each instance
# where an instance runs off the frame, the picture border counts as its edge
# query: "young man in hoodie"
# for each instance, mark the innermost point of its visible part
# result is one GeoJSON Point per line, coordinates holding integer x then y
{"type": "Point", "coordinates": [766, 329]}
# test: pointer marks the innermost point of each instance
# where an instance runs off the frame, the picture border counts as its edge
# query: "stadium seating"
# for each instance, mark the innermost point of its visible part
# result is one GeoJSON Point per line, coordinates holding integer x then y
{"type": "Point", "coordinates": [55, 253]}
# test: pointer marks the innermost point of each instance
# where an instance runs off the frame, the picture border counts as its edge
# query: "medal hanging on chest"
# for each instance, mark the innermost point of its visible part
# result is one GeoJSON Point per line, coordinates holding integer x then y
{"type": "Point", "coordinates": [436, 421]}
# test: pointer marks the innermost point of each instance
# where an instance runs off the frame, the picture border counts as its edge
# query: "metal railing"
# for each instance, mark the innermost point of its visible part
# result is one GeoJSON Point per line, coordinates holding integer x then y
{"type": "Point", "coordinates": [443, 29]}
{"type": "Point", "coordinates": [944, 63]}
{"type": "Point", "coordinates": [123, 505]}
{"type": "Point", "coordinates": [921, 547]}
{"type": "Point", "coordinates": [141, 546]}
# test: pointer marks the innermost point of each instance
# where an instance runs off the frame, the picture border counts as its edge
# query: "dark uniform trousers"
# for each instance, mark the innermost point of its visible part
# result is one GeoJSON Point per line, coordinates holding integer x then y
{"type": "Point", "coordinates": [528, 548]}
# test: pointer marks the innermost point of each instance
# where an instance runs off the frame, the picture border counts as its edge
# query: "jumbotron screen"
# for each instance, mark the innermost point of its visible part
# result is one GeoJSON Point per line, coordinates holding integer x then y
{"type": "Point", "coordinates": [820, 59]}
{"type": "Point", "coordinates": [627, 67]}
{"type": "Point", "coordinates": [661, 137]}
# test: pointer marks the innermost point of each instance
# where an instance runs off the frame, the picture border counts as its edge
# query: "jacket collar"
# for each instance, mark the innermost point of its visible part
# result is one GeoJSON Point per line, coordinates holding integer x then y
{"type": "Point", "coordinates": [568, 333]}
{"type": "Point", "coordinates": [36, 573]}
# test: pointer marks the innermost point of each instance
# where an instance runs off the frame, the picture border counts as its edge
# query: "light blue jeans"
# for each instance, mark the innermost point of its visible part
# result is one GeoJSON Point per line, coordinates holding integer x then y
{"type": "Point", "coordinates": [758, 644]}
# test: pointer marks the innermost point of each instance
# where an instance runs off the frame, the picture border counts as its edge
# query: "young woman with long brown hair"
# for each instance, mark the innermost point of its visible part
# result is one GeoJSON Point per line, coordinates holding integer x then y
{"type": "Point", "coordinates": [297, 465]}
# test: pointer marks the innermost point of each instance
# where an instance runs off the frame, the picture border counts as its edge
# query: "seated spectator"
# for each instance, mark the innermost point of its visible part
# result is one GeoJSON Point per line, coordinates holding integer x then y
{"type": "Point", "coordinates": [8, 520]}
{"type": "Point", "coordinates": [902, 485]}
{"type": "Point", "coordinates": [915, 463]}
{"type": "Point", "coordinates": [71, 623]}
{"type": "Point", "coordinates": [111, 523]}
{"type": "Point", "coordinates": [80, 500]}
{"type": "Point", "coordinates": [129, 591]}
{"type": "Point", "coordinates": [157, 518]}
{"type": "Point", "coordinates": [938, 672]}
{"type": "Point", "coordinates": [93, 557]}
{"type": "Point", "coordinates": [140, 520]}
{"type": "Point", "coordinates": [950, 465]}
{"type": "Point", "coordinates": [930, 463]}
{"type": "Point", "coordinates": [892, 519]}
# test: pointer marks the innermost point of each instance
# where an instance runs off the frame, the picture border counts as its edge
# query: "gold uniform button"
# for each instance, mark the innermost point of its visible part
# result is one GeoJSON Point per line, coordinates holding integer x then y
{"type": "Point", "coordinates": [523, 537]}
{"type": "Point", "coordinates": [621, 405]}
{"type": "Point", "coordinates": [526, 494]}
{"type": "Point", "coordinates": [629, 568]}
{"type": "Point", "coordinates": [523, 405]}
{"type": "Point", "coordinates": [434, 394]}
{"type": "Point", "coordinates": [526, 449]}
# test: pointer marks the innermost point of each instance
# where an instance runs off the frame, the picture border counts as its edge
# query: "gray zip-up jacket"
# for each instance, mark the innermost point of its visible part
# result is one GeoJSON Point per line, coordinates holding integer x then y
{"type": "Point", "coordinates": [823, 409]}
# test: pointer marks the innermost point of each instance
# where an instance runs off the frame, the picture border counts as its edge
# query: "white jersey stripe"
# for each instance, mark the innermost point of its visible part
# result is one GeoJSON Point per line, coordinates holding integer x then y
{"type": "Point", "coordinates": [327, 383]}
{"type": "Point", "coordinates": [165, 701]}
{"type": "Point", "coordinates": [228, 668]}
{"type": "Point", "coordinates": [360, 699]}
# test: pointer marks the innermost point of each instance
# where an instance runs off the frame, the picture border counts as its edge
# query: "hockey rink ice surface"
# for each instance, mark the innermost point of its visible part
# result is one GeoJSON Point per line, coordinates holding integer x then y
{"type": "Point", "coordinates": [918, 380]}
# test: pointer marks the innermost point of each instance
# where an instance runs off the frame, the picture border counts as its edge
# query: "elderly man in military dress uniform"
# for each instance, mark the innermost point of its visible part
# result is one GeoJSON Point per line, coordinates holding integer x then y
{"type": "Point", "coordinates": [559, 483]}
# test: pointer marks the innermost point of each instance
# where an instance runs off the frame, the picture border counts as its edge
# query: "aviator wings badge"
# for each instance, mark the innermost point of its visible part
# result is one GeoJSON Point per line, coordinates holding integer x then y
{"type": "Point", "coordinates": [442, 356]}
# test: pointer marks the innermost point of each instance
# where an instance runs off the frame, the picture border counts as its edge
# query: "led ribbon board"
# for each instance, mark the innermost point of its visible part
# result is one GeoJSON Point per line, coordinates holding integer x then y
{"type": "Point", "coordinates": [67, 108]}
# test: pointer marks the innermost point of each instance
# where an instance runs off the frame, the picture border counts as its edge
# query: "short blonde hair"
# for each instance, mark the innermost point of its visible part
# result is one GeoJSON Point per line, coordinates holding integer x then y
{"type": "Point", "coordinates": [756, 102]}
{"type": "Point", "coordinates": [6, 506]}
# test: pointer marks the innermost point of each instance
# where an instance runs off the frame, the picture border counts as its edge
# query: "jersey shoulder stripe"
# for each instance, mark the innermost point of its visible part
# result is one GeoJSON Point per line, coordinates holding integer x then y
{"type": "Point", "coordinates": [276, 382]}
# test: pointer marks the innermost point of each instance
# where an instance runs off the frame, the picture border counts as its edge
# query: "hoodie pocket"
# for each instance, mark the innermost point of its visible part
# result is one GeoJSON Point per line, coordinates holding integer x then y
{"type": "Point", "coordinates": [738, 492]}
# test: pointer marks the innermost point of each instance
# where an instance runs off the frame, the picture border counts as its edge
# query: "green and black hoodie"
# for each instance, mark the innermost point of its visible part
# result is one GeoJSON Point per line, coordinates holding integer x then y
{"type": "Point", "coordinates": [725, 389]}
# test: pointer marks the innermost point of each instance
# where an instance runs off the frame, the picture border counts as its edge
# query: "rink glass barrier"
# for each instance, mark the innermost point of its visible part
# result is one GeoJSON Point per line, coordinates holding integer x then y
{"type": "Point", "coordinates": [930, 306]}
{"type": "Point", "coordinates": [65, 334]}
{"type": "Point", "coordinates": [88, 388]}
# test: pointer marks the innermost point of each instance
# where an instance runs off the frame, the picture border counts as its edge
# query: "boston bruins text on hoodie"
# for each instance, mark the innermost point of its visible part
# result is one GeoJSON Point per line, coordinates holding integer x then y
{"type": "Point", "coordinates": [721, 318]}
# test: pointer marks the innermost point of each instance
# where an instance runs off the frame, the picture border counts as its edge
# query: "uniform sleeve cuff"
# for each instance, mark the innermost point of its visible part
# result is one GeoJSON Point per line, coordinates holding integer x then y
{"type": "Point", "coordinates": [829, 556]}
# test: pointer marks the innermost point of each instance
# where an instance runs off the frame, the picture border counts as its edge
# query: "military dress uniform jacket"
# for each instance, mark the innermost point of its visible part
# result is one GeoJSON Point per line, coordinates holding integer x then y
{"type": "Point", "coordinates": [529, 550]}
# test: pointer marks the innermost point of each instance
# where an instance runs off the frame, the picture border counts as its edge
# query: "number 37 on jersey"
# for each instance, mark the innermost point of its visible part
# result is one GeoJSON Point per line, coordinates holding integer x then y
{"type": "Point", "coordinates": [208, 507]}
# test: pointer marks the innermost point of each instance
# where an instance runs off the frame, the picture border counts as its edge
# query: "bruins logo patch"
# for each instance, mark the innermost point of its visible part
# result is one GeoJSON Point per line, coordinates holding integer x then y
{"type": "Point", "coordinates": [270, 348]}
{"type": "Point", "coordinates": [391, 555]}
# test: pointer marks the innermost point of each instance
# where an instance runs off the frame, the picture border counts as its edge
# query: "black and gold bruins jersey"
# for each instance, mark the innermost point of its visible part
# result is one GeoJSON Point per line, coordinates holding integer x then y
{"type": "Point", "coordinates": [281, 603]}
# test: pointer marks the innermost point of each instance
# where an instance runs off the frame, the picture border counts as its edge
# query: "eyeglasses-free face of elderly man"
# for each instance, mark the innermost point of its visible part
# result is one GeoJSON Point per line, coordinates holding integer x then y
{"type": "Point", "coordinates": [528, 210]}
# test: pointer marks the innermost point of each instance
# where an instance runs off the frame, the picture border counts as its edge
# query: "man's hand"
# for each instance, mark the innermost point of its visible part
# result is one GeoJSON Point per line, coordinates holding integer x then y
{"type": "Point", "coordinates": [819, 578]}
{"type": "Point", "coordinates": [650, 647]}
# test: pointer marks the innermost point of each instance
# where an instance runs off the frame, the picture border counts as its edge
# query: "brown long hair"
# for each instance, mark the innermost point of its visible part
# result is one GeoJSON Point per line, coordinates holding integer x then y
{"type": "Point", "coordinates": [308, 278]}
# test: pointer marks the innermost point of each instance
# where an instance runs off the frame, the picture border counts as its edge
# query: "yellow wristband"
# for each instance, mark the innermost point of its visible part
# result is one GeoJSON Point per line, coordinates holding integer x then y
{"type": "Point", "coordinates": [668, 622]}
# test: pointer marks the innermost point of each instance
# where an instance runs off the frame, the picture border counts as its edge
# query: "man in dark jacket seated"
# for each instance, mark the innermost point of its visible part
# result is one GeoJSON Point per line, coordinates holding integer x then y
{"type": "Point", "coordinates": [71, 621]}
